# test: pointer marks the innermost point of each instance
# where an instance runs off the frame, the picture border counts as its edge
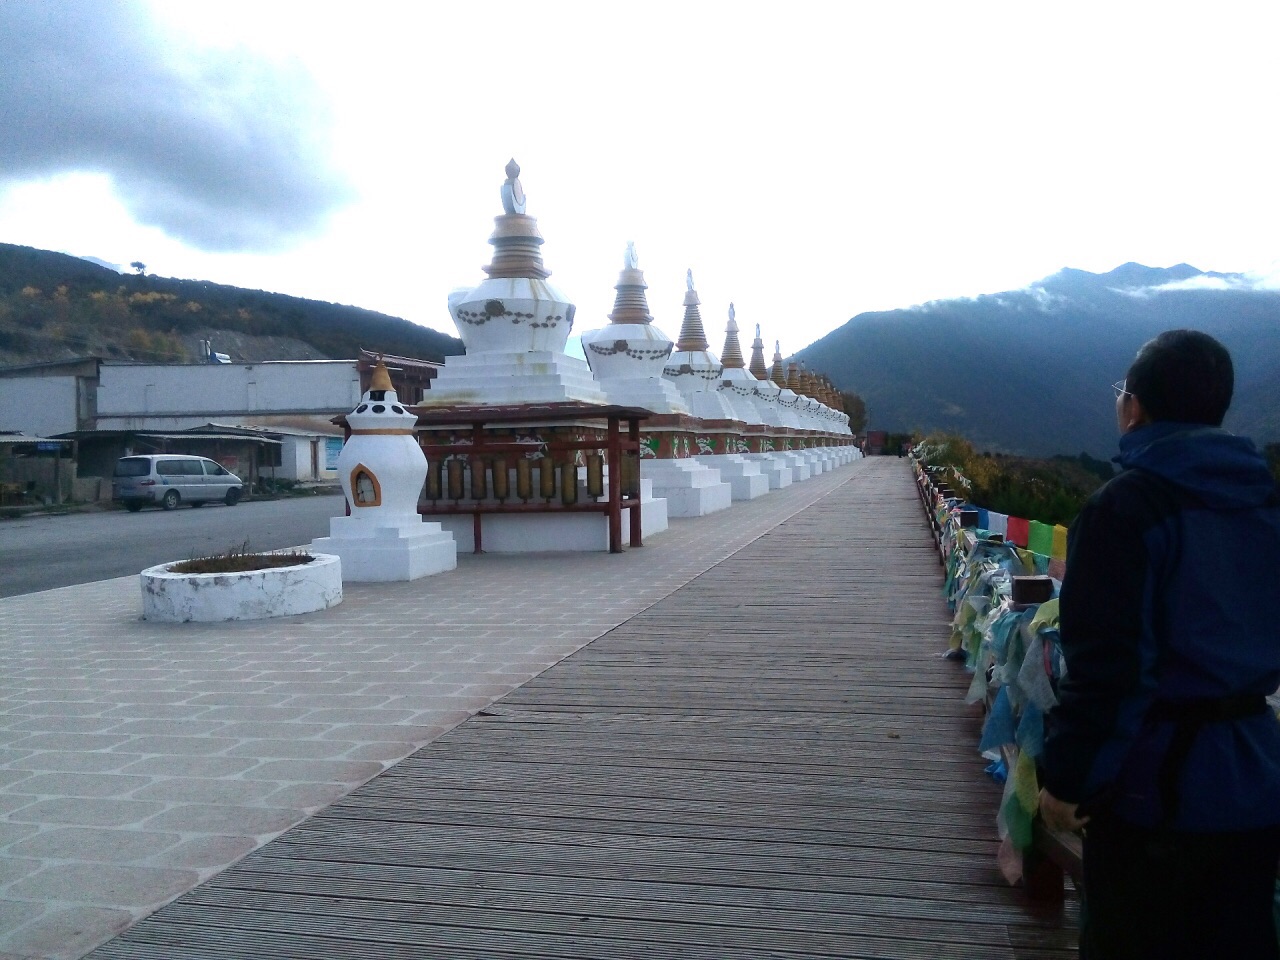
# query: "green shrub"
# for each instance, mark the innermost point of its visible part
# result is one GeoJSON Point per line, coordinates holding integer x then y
{"type": "Point", "coordinates": [1051, 491]}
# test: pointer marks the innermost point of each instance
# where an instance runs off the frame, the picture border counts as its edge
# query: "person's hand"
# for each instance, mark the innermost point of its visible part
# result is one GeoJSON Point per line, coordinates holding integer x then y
{"type": "Point", "coordinates": [1059, 815]}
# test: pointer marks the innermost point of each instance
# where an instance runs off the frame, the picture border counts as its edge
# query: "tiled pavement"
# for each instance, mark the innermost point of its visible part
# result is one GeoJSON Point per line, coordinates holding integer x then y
{"type": "Point", "coordinates": [139, 759]}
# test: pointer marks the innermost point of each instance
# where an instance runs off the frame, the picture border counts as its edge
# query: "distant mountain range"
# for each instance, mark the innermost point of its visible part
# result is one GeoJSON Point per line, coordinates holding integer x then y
{"type": "Point", "coordinates": [54, 306]}
{"type": "Point", "coordinates": [1025, 371]}
{"type": "Point", "coordinates": [1029, 371]}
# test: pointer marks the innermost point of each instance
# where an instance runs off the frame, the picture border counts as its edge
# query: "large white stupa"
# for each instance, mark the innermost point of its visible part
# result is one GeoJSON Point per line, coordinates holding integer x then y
{"type": "Point", "coordinates": [514, 325]}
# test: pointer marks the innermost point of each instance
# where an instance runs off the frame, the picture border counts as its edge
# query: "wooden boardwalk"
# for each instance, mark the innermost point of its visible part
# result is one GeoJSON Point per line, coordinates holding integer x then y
{"type": "Point", "coordinates": [774, 761]}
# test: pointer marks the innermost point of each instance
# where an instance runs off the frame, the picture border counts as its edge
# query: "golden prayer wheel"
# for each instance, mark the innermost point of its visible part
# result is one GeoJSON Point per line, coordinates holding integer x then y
{"type": "Point", "coordinates": [524, 479]}
{"type": "Point", "coordinates": [595, 475]}
{"type": "Point", "coordinates": [568, 484]}
{"type": "Point", "coordinates": [546, 478]}
{"type": "Point", "coordinates": [433, 479]}
{"type": "Point", "coordinates": [456, 469]}
{"type": "Point", "coordinates": [479, 482]}
{"type": "Point", "coordinates": [630, 475]}
{"type": "Point", "coordinates": [501, 481]}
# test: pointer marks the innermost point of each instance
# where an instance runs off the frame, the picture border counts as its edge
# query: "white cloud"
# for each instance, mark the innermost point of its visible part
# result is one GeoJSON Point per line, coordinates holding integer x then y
{"type": "Point", "coordinates": [220, 149]}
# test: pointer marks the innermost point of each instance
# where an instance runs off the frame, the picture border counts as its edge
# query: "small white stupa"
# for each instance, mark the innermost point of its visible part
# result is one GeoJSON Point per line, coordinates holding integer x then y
{"type": "Point", "coordinates": [772, 464]}
{"type": "Point", "coordinates": [788, 402]}
{"type": "Point", "coordinates": [693, 367]}
{"type": "Point", "coordinates": [790, 407]}
{"type": "Point", "coordinates": [737, 387]}
{"type": "Point", "coordinates": [628, 356]}
{"type": "Point", "coordinates": [514, 325]}
{"type": "Point", "coordinates": [382, 469]}
{"type": "Point", "coordinates": [736, 384]}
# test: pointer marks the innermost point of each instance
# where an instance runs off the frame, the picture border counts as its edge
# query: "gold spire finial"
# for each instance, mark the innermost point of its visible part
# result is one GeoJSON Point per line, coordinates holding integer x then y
{"type": "Point", "coordinates": [381, 379]}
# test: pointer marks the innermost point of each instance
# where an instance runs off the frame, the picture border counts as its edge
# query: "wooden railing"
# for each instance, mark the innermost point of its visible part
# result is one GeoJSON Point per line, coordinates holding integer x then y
{"type": "Point", "coordinates": [474, 471]}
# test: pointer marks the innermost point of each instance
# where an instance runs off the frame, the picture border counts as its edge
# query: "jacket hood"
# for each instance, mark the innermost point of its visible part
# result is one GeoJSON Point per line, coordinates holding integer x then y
{"type": "Point", "coordinates": [1223, 470]}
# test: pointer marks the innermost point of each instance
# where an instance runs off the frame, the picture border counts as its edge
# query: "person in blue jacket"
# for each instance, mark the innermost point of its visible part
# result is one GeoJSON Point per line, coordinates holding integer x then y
{"type": "Point", "coordinates": [1162, 746]}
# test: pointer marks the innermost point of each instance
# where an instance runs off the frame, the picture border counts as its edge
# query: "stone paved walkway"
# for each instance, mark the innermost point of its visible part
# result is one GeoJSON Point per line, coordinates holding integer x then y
{"type": "Point", "coordinates": [138, 759]}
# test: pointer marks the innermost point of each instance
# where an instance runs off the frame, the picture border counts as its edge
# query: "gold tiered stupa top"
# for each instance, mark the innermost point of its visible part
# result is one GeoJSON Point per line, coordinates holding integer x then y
{"type": "Point", "coordinates": [778, 375]}
{"type": "Point", "coordinates": [692, 337]}
{"type": "Point", "coordinates": [793, 379]}
{"type": "Point", "coordinates": [515, 236]}
{"type": "Point", "coordinates": [631, 305]}
{"type": "Point", "coordinates": [731, 355]}
{"type": "Point", "coordinates": [758, 368]}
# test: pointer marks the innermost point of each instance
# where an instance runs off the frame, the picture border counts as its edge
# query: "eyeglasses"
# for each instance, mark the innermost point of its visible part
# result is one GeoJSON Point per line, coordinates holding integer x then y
{"type": "Point", "coordinates": [1119, 388]}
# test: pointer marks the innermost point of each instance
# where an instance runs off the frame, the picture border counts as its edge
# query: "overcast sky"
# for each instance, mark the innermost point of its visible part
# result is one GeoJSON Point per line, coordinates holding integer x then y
{"type": "Point", "coordinates": [808, 161]}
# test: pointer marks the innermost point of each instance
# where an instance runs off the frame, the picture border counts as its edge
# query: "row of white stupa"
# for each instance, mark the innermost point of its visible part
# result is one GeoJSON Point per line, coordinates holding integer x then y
{"type": "Point", "coordinates": [515, 327]}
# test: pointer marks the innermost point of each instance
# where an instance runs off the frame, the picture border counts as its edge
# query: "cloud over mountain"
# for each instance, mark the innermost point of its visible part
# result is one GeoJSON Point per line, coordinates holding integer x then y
{"type": "Point", "coordinates": [220, 149]}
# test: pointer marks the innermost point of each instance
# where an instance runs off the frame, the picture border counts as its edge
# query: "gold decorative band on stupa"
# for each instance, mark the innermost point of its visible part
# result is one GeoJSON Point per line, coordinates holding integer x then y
{"type": "Point", "coordinates": [630, 305]}
{"type": "Point", "coordinates": [692, 337]}
{"type": "Point", "coordinates": [383, 432]}
{"type": "Point", "coordinates": [731, 355]}
{"type": "Point", "coordinates": [516, 239]}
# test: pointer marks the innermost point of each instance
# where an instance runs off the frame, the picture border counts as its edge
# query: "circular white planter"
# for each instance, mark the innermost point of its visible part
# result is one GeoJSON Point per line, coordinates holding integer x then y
{"type": "Point", "coordinates": [252, 595]}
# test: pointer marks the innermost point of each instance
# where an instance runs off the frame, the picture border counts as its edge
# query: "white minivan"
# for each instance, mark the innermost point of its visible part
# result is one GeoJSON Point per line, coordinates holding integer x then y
{"type": "Point", "coordinates": [168, 479]}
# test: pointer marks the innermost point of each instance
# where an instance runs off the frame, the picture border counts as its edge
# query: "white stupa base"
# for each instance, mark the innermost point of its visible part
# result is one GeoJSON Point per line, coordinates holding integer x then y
{"type": "Point", "coordinates": [744, 477]}
{"type": "Point", "coordinates": [657, 394]}
{"type": "Point", "coordinates": [691, 489]}
{"type": "Point", "coordinates": [800, 469]}
{"type": "Point", "coordinates": [378, 550]}
{"type": "Point", "coordinates": [493, 378]}
{"type": "Point", "coordinates": [774, 467]}
{"type": "Point", "coordinates": [818, 461]}
{"type": "Point", "coordinates": [553, 532]}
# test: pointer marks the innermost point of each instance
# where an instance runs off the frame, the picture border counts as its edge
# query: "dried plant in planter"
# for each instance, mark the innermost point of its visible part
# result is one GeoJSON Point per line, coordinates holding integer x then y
{"type": "Point", "coordinates": [240, 560]}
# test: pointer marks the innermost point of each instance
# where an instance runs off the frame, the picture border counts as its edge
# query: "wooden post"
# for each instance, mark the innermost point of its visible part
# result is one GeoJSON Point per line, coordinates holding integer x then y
{"type": "Point", "coordinates": [613, 437]}
{"type": "Point", "coordinates": [633, 435]}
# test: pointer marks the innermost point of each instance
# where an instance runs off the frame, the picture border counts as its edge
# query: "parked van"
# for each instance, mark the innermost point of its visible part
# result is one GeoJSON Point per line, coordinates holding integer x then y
{"type": "Point", "coordinates": [168, 479]}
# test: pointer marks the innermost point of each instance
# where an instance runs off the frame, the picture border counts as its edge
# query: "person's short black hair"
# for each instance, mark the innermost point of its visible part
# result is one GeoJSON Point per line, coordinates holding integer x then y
{"type": "Point", "coordinates": [1184, 376]}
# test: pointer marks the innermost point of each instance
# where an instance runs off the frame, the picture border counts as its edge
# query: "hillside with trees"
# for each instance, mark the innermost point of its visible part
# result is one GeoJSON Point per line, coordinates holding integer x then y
{"type": "Point", "coordinates": [54, 306]}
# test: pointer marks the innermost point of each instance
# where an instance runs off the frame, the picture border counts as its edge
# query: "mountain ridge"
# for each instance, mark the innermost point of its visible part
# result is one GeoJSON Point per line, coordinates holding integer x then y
{"type": "Point", "coordinates": [55, 305]}
{"type": "Point", "coordinates": [1028, 371]}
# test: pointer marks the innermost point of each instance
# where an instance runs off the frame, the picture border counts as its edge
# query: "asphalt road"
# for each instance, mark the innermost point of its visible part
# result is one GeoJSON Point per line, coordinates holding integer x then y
{"type": "Point", "coordinates": [43, 552]}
